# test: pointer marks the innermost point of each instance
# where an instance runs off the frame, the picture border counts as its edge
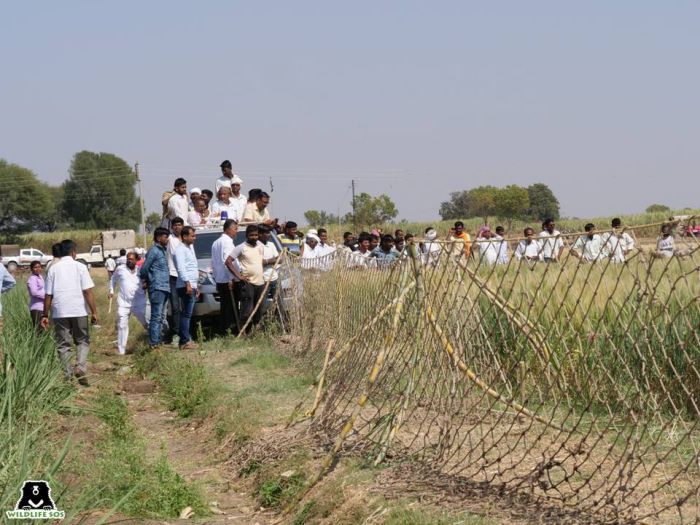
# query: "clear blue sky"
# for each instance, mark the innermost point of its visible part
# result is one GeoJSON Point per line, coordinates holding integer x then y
{"type": "Point", "coordinates": [598, 99]}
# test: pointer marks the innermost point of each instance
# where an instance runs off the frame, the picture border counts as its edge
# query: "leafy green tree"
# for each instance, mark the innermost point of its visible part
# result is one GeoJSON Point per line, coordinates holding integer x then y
{"type": "Point", "coordinates": [477, 202]}
{"type": "Point", "coordinates": [99, 192]}
{"type": "Point", "coordinates": [482, 202]}
{"type": "Point", "coordinates": [658, 208]}
{"type": "Point", "coordinates": [26, 203]}
{"type": "Point", "coordinates": [512, 202]}
{"type": "Point", "coordinates": [153, 220]}
{"type": "Point", "coordinates": [456, 208]}
{"type": "Point", "coordinates": [543, 203]}
{"type": "Point", "coordinates": [317, 218]}
{"type": "Point", "coordinates": [373, 210]}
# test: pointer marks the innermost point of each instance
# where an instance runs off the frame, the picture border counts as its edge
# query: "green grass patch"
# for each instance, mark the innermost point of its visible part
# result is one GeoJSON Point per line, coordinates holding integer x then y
{"type": "Point", "coordinates": [279, 491]}
{"type": "Point", "coordinates": [263, 359]}
{"type": "Point", "coordinates": [407, 516]}
{"type": "Point", "coordinates": [186, 385]}
{"type": "Point", "coordinates": [147, 489]}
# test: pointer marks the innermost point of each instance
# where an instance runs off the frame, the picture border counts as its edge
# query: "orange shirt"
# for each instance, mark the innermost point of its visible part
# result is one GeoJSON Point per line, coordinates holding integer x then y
{"type": "Point", "coordinates": [464, 237]}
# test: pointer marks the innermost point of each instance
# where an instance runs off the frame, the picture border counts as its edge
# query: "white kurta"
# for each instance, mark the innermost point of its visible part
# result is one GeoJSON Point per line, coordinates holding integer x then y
{"type": "Point", "coordinates": [131, 299]}
{"type": "Point", "coordinates": [529, 251]}
{"type": "Point", "coordinates": [550, 244]}
{"type": "Point", "coordinates": [488, 251]}
{"type": "Point", "coordinates": [590, 249]}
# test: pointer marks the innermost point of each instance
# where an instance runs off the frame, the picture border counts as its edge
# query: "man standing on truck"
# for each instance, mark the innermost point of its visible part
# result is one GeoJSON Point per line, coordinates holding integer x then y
{"type": "Point", "coordinates": [68, 291]}
{"type": "Point", "coordinates": [175, 203]}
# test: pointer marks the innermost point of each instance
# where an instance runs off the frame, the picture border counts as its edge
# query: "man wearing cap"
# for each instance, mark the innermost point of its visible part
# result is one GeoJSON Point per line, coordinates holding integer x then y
{"type": "Point", "coordinates": [195, 193]}
{"type": "Point", "coordinates": [237, 199]}
{"type": "Point", "coordinates": [310, 252]}
{"type": "Point", "coordinates": [226, 175]}
{"type": "Point", "coordinates": [488, 249]}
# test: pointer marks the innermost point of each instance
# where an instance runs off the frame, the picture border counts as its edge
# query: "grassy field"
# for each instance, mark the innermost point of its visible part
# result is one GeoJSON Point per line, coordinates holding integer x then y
{"type": "Point", "coordinates": [166, 434]}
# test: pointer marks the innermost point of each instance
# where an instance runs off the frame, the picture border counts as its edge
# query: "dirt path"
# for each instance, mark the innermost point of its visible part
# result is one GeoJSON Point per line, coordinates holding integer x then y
{"type": "Point", "coordinates": [191, 449]}
{"type": "Point", "coordinates": [192, 454]}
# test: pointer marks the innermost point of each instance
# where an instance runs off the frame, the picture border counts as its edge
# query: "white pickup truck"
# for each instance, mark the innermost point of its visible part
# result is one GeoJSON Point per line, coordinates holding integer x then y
{"type": "Point", "coordinates": [109, 244]}
{"type": "Point", "coordinates": [23, 258]}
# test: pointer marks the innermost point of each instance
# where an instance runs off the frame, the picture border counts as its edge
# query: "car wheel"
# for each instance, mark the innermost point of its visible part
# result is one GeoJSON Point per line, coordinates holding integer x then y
{"type": "Point", "coordinates": [83, 262]}
{"type": "Point", "coordinates": [12, 266]}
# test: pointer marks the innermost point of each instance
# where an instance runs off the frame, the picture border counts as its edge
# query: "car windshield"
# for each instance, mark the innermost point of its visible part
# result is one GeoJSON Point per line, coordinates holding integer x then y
{"type": "Point", "coordinates": [204, 240]}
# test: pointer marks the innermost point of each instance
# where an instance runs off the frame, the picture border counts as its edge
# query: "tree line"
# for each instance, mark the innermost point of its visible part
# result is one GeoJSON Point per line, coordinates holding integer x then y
{"type": "Point", "coordinates": [535, 202]}
{"type": "Point", "coordinates": [99, 193]}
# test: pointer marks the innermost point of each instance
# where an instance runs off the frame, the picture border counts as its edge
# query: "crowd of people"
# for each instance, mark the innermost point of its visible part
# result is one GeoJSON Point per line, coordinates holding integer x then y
{"type": "Point", "coordinates": [160, 287]}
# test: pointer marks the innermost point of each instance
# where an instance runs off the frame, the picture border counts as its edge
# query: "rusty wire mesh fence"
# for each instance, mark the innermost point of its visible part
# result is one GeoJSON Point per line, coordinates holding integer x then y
{"type": "Point", "coordinates": [576, 382]}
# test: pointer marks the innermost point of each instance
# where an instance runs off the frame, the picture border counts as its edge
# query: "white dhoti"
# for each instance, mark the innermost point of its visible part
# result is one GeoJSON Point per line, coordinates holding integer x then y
{"type": "Point", "coordinates": [123, 314]}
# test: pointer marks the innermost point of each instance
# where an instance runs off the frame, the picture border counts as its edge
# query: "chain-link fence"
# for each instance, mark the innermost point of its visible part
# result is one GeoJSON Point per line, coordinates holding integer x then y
{"type": "Point", "coordinates": [571, 376]}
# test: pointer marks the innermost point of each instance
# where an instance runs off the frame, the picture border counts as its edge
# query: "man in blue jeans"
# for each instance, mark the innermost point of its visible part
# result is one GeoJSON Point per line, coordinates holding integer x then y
{"type": "Point", "coordinates": [187, 276]}
{"type": "Point", "coordinates": [156, 277]}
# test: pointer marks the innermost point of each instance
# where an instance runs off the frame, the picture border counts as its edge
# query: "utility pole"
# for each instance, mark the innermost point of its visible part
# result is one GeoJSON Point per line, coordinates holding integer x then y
{"type": "Point", "coordinates": [143, 206]}
{"type": "Point", "coordinates": [354, 216]}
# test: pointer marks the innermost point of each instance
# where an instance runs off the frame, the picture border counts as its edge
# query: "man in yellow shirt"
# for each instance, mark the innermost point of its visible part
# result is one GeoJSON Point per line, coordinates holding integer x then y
{"type": "Point", "coordinates": [459, 235]}
{"type": "Point", "coordinates": [257, 212]}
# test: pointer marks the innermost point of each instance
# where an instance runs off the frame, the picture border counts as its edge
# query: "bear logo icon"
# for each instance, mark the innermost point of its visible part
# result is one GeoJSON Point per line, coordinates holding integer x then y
{"type": "Point", "coordinates": [36, 495]}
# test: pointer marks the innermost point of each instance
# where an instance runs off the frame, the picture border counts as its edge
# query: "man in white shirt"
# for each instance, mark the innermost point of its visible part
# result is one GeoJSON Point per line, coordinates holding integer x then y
{"type": "Point", "coordinates": [665, 245]}
{"type": "Point", "coordinates": [270, 256]}
{"type": "Point", "coordinates": [195, 193]}
{"type": "Point", "coordinates": [121, 260]}
{"type": "Point", "coordinates": [589, 247]}
{"type": "Point", "coordinates": [68, 289]}
{"type": "Point", "coordinates": [430, 250]}
{"type": "Point", "coordinates": [311, 253]}
{"type": "Point", "coordinates": [239, 200]}
{"type": "Point", "coordinates": [528, 248]}
{"type": "Point", "coordinates": [126, 278]}
{"type": "Point", "coordinates": [502, 246]}
{"type": "Point", "coordinates": [224, 208]}
{"type": "Point", "coordinates": [360, 258]}
{"type": "Point", "coordinates": [325, 250]}
{"type": "Point", "coordinates": [226, 273]}
{"type": "Point", "coordinates": [250, 258]}
{"type": "Point", "coordinates": [110, 265]}
{"type": "Point", "coordinates": [178, 204]}
{"type": "Point", "coordinates": [187, 284]}
{"type": "Point", "coordinates": [226, 175]}
{"type": "Point", "coordinates": [550, 242]}
{"type": "Point", "coordinates": [177, 224]}
{"type": "Point", "coordinates": [488, 249]}
{"type": "Point", "coordinates": [619, 243]}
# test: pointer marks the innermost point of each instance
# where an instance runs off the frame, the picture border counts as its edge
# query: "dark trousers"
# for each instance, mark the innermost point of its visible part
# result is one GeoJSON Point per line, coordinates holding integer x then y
{"type": "Point", "coordinates": [228, 299]}
{"type": "Point", "coordinates": [250, 294]}
{"type": "Point", "coordinates": [175, 309]}
{"type": "Point", "coordinates": [36, 320]}
{"type": "Point", "coordinates": [187, 302]}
